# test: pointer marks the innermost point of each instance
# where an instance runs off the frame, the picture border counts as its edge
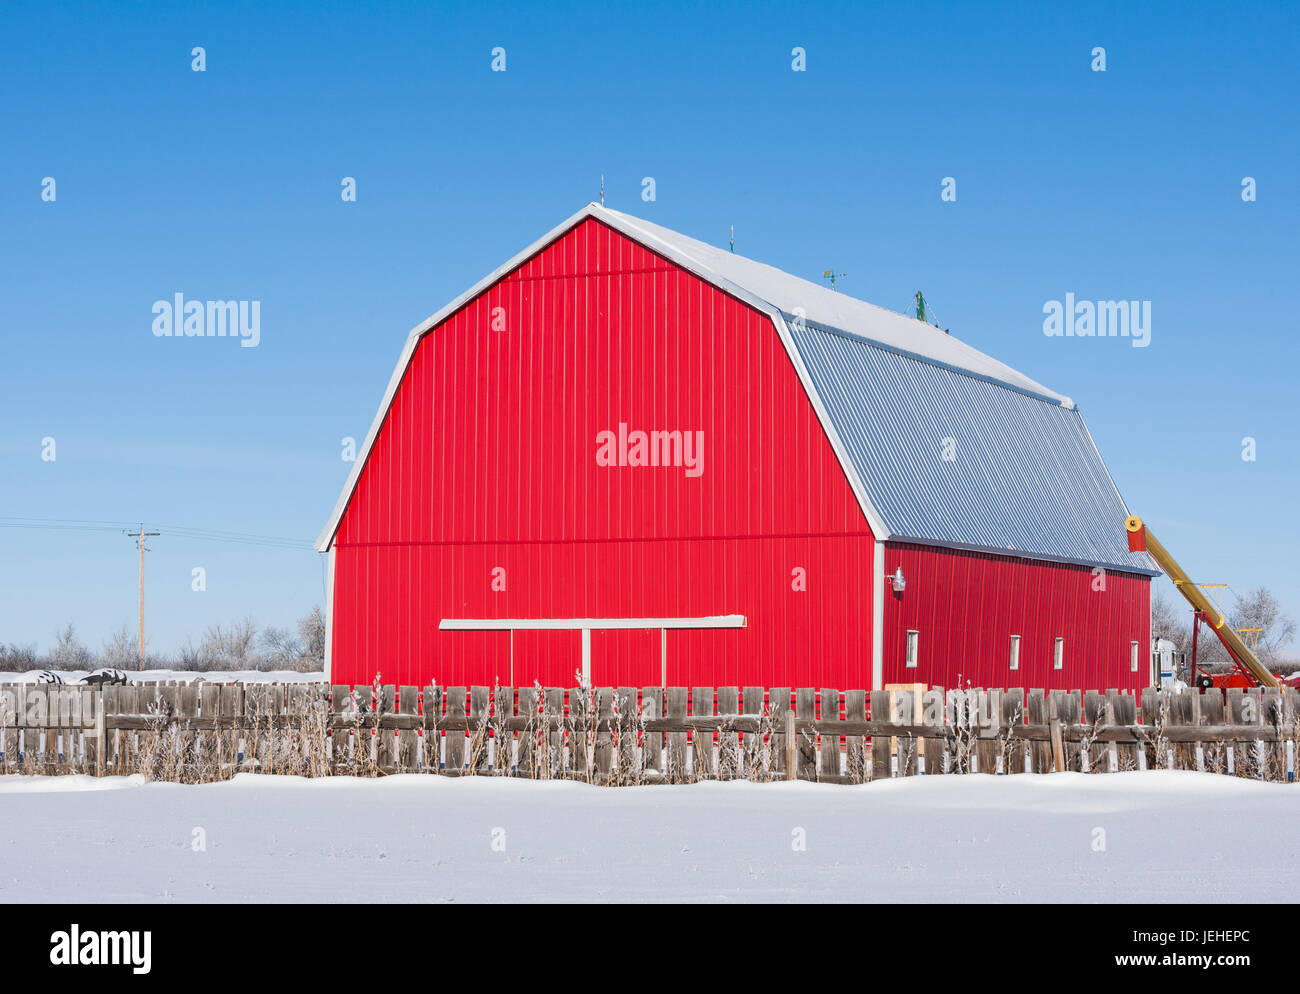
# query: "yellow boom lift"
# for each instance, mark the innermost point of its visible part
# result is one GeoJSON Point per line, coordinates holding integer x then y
{"type": "Point", "coordinates": [1140, 539]}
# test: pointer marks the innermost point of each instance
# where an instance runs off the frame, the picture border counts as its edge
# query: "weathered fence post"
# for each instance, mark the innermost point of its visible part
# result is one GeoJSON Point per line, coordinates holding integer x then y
{"type": "Point", "coordinates": [778, 700]}
{"type": "Point", "coordinates": [1013, 720]}
{"type": "Point", "coordinates": [675, 707]}
{"type": "Point", "coordinates": [479, 700]}
{"type": "Point", "coordinates": [526, 753]}
{"type": "Point", "coordinates": [791, 762]}
{"type": "Point", "coordinates": [407, 700]}
{"type": "Point", "coordinates": [855, 709]}
{"type": "Point", "coordinates": [728, 741]}
{"type": "Point", "coordinates": [455, 743]}
{"type": "Point", "coordinates": [432, 746]}
{"type": "Point", "coordinates": [806, 707]}
{"type": "Point", "coordinates": [702, 754]}
{"type": "Point", "coordinates": [880, 715]}
{"type": "Point", "coordinates": [990, 708]}
{"type": "Point", "coordinates": [604, 751]}
{"type": "Point", "coordinates": [652, 745]}
{"type": "Point", "coordinates": [1058, 746]}
{"type": "Point", "coordinates": [1124, 713]}
{"type": "Point", "coordinates": [828, 758]}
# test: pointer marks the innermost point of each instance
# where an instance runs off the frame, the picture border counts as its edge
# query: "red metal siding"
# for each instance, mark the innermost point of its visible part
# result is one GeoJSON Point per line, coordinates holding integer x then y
{"type": "Point", "coordinates": [487, 460]}
{"type": "Point", "coordinates": [967, 605]}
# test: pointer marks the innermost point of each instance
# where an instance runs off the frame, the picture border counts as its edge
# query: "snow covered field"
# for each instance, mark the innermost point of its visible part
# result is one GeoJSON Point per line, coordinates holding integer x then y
{"type": "Point", "coordinates": [1167, 837]}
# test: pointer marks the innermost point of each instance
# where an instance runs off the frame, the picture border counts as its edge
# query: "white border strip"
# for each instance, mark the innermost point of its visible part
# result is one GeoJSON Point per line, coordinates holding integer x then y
{"type": "Point", "coordinates": [586, 624]}
{"type": "Point", "coordinates": [329, 613]}
{"type": "Point", "coordinates": [878, 618]}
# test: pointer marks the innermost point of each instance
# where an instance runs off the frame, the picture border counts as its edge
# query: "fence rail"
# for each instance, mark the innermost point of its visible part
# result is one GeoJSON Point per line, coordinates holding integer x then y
{"type": "Point", "coordinates": [198, 732]}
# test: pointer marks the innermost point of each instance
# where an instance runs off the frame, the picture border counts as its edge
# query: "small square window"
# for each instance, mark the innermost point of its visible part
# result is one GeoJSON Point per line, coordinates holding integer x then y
{"type": "Point", "coordinates": [1058, 655]}
{"type": "Point", "coordinates": [913, 647]}
{"type": "Point", "coordinates": [1015, 652]}
{"type": "Point", "coordinates": [1132, 657]}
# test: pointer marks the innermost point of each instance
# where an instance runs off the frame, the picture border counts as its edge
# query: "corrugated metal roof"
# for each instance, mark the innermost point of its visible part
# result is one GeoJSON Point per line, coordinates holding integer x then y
{"type": "Point", "coordinates": [1022, 474]}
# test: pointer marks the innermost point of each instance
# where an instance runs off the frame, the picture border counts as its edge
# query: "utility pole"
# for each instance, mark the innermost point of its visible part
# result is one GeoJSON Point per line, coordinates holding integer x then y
{"type": "Point", "coordinates": [139, 537]}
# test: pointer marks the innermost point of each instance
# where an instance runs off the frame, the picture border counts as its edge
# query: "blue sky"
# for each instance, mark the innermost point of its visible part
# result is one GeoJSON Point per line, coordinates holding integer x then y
{"type": "Point", "coordinates": [224, 184]}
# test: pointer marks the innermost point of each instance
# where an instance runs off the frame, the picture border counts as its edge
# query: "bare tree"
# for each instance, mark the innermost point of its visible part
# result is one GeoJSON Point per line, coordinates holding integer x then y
{"type": "Point", "coordinates": [1260, 609]}
{"type": "Point", "coordinates": [228, 647]}
{"type": "Point", "coordinates": [1168, 623]}
{"type": "Point", "coordinates": [304, 652]}
{"type": "Point", "coordinates": [311, 629]}
{"type": "Point", "coordinates": [68, 652]}
{"type": "Point", "coordinates": [15, 658]}
{"type": "Point", "coordinates": [122, 649]}
{"type": "Point", "coordinates": [189, 656]}
{"type": "Point", "coordinates": [281, 649]}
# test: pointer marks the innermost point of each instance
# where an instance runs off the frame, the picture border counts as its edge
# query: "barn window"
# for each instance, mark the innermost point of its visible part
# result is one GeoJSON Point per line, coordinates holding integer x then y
{"type": "Point", "coordinates": [913, 641]}
{"type": "Point", "coordinates": [1015, 652]}
{"type": "Point", "coordinates": [1058, 655]}
{"type": "Point", "coordinates": [1132, 657]}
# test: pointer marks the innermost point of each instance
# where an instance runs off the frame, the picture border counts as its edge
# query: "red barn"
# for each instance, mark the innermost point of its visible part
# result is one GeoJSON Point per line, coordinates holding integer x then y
{"type": "Point", "coordinates": [634, 454]}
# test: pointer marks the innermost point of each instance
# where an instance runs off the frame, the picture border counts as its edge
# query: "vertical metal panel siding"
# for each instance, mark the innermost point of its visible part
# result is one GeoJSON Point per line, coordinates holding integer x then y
{"type": "Point", "coordinates": [967, 606]}
{"type": "Point", "coordinates": [487, 459]}
{"type": "Point", "coordinates": [1024, 477]}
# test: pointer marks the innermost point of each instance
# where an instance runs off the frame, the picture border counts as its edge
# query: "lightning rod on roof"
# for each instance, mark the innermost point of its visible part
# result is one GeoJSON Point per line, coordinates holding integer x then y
{"type": "Point", "coordinates": [923, 311]}
{"type": "Point", "coordinates": [733, 239]}
{"type": "Point", "coordinates": [602, 189]}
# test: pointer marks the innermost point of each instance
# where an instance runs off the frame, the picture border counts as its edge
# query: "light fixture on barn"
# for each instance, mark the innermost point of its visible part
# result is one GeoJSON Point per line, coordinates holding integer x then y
{"type": "Point", "coordinates": [897, 580]}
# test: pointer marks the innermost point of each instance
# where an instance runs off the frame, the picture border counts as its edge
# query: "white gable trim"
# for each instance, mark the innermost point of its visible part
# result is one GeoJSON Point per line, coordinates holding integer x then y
{"type": "Point", "coordinates": [648, 240]}
{"type": "Point", "coordinates": [404, 360]}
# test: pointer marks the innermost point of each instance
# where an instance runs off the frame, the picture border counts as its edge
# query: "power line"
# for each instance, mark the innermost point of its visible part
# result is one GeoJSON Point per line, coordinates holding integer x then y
{"type": "Point", "coordinates": [174, 531]}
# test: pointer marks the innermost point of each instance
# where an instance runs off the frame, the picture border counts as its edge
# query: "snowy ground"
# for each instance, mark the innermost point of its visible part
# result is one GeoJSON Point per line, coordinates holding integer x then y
{"type": "Point", "coordinates": [1168, 836]}
{"type": "Point", "coordinates": [183, 676]}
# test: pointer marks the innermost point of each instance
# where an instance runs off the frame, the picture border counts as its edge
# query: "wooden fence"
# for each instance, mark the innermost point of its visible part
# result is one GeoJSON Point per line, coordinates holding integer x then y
{"type": "Point", "coordinates": [198, 732]}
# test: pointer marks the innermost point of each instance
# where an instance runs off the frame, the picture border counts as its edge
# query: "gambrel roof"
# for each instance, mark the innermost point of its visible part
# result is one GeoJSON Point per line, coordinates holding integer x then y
{"type": "Point", "coordinates": [941, 443]}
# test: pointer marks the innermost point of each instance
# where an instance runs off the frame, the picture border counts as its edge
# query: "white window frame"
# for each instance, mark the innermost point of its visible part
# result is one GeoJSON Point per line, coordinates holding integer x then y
{"type": "Point", "coordinates": [911, 649]}
{"type": "Point", "coordinates": [1134, 651]}
{"type": "Point", "coordinates": [1058, 653]}
{"type": "Point", "coordinates": [1014, 660]}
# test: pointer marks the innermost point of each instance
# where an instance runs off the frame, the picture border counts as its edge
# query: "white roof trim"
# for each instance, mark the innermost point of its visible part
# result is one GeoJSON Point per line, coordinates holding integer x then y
{"type": "Point", "coordinates": [692, 256]}
{"type": "Point", "coordinates": [1040, 557]}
